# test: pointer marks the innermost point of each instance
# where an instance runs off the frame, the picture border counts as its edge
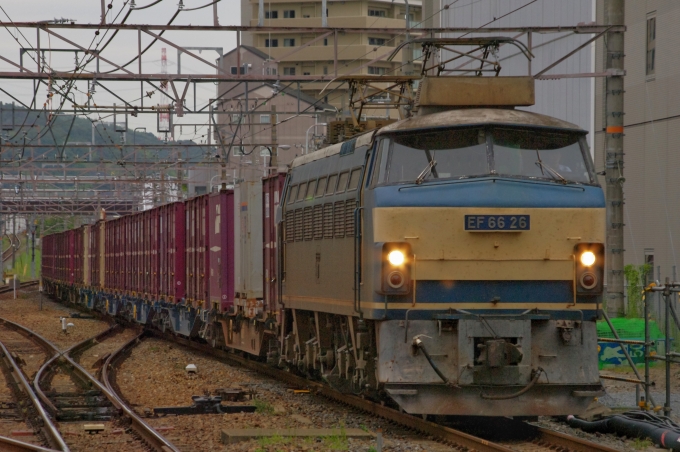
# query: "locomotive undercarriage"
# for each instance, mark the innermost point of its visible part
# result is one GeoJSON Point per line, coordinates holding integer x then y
{"type": "Point", "coordinates": [503, 366]}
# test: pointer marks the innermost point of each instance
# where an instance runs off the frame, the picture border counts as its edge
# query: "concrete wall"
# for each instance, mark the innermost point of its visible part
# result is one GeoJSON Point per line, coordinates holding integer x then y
{"type": "Point", "coordinates": [652, 131]}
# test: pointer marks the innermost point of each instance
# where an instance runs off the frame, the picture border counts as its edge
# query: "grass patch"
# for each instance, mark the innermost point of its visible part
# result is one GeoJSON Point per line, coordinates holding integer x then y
{"type": "Point", "coordinates": [263, 407]}
{"type": "Point", "coordinates": [642, 443]}
{"type": "Point", "coordinates": [337, 442]}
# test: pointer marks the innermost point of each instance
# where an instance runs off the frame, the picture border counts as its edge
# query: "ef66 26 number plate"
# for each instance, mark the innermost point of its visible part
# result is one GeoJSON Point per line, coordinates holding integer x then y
{"type": "Point", "coordinates": [497, 222]}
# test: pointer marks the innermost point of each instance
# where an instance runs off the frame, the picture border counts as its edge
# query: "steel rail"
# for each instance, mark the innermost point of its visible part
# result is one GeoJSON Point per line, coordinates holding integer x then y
{"type": "Point", "coordinates": [50, 430]}
{"type": "Point", "coordinates": [12, 445]}
{"type": "Point", "coordinates": [542, 436]}
{"type": "Point", "coordinates": [449, 435]}
{"type": "Point", "coordinates": [151, 436]}
{"type": "Point", "coordinates": [574, 443]}
{"type": "Point", "coordinates": [23, 285]}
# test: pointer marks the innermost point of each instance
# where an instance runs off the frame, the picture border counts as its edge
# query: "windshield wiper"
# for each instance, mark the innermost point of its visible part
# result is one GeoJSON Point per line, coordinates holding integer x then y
{"type": "Point", "coordinates": [429, 169]}
{"type": "Point", "coordinates": [551, 171]}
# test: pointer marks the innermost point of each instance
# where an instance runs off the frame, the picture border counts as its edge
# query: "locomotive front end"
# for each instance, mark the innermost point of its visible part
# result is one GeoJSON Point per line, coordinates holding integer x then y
{"type": "Point", "coordinates": [488, 264]}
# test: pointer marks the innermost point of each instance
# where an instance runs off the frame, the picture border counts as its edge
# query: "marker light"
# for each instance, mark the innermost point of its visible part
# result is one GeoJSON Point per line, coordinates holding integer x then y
{"type": "Point", "coordinates": [396, 257]}
{"type": "Point", "coordinates": [588, 258]}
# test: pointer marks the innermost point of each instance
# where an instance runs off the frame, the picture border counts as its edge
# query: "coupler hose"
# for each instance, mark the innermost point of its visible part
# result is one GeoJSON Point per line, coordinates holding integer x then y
{"type": "Point", "coordinates": [418, 345]}
{"type": "Point", "coordinates": [666, 438]}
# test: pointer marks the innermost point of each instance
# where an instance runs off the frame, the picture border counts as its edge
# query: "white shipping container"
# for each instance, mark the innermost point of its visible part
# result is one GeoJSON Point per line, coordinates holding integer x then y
{"type": "Point", "coordinates": [248, 240]}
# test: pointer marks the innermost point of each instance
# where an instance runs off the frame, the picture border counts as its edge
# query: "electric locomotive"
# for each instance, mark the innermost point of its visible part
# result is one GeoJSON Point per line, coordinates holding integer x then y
{"type": "Point", "coordinates": [449, 263]}
{"type": "Point", "coordinates": [452, 261]}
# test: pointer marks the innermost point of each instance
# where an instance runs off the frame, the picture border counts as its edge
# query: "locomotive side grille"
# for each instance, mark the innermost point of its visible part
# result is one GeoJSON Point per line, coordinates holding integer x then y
{"type": "Point", "coordinates": [298, 225]}
{"type": "Point", "coordinates": [328, 221]}
{"type": "Point", "coordinates": [339, 219]}
{"type": "Point", "coordinates": [318, 222]}
{"type": "Point", "coordinates": [308, 231]}
{"type": "Point", "coordinates": [290, 226]}
{"type": "Point", "coordinates": [349, 218]}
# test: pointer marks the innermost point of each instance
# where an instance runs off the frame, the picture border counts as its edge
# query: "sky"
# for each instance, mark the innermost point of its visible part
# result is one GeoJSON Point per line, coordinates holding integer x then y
{"type": "Point", "coordinates": [121, 50]}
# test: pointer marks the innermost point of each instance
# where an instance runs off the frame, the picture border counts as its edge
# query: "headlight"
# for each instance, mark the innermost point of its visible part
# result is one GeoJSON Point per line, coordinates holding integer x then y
{"type": "Point", "coordinates": [588, 258]}
{"type": "Point", "coordinates": [396, 257]}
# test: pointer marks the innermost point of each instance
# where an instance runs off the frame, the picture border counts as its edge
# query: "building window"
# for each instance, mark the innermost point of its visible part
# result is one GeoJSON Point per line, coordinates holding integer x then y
{"type": "Point", "coordinates": [651, 46]}
{"type": "Point", "coordinates": [306, 73]}
{"type": "Point", "coordinates": [289, 42]}
{"type": "Point", "coordinates": [289, 14]}
{"type": "Point", "coordinates": [264, 151]}
{"type": "Point", "coordinates": [235, 118]}
{"type": "Point", "coordinates": [270, 71]}
{"type": "Point", "coordinates": [271, 42]}
{"type": "Point", "coordinates": [377, 13]}
{"type": "Point", "coordinates": [234, 70]}
{"type": "Point", "coordinates": [375, 70]}
{"type": "Point", "coordinates": [265, 119]}
{"type": "Point", "coordinates": [325, 70]}
{"type": "Point", "coordinates": [377, 41]}
{"type": "Point", "coordinates": [271, 14]}
{"type": "Point", "coordinates": [288, 71]}
{"type": "Point", "coordinates": [237, 150]}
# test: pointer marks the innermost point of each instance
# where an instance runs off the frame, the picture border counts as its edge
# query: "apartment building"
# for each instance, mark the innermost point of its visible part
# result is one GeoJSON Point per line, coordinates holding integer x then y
{"type": "Point", "coordinates": [315, 55]}
{"type": "Point", "coordinates": [652, 131]}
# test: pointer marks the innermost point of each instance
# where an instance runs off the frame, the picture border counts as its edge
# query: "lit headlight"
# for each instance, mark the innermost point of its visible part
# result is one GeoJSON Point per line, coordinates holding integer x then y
{"type": "Point", "coordinates": [396, 257]}
{"type": "Point", "coordinates": [588, 258]}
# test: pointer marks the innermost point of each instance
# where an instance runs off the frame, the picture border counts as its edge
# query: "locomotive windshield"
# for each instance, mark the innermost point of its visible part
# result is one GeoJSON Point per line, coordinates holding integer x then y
{"type": "Point", "coordinates": [471, 152]}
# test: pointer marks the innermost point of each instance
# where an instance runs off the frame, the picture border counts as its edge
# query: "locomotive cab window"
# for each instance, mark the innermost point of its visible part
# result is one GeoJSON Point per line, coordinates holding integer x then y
{"type": "Point", "coordinates": [537, 154]}
{"type": "Point", "coordinates": [438, 155]}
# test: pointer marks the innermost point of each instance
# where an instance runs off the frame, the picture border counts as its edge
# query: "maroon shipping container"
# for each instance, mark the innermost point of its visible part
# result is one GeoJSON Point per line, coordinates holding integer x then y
{"type": "Point", "coordinates": [94, 246]}
{"type": "Point", "coordinates": [171, 252]}
{"type": "Point", "coordinates": [115, 254]}
{"type": "Point", "coordinates": [196, 250]}
{"type": "Point", "coordinates": [221, 250]}
{"type": "Point", "coordinates": [272, 187]}
{"type": "Point", "coordinates": [47, 259]}
{"type": "Point", "coordinates": [78, 257]}
{"type": "Point", "coordinates": [150, 237]}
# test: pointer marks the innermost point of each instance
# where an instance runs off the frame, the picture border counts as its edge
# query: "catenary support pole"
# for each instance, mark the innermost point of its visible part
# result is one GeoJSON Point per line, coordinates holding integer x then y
{"type": "Point", "coordinates": [614, 14]}
{"type": "Point", "coordinates": [667, 298]}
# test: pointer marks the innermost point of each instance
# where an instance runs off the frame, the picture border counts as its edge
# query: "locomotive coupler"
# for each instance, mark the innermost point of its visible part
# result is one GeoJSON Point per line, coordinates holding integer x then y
{"type": "Point", "coordinates": [496, 353]}
{"type": "Point", "coordinates": [565, 328]}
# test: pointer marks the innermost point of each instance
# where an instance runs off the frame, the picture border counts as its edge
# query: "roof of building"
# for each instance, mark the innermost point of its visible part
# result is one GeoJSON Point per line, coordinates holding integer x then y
{"type": "Point", "coordinates": [254, 50]}
{"type": "Point", "coordinates": [318, 104]}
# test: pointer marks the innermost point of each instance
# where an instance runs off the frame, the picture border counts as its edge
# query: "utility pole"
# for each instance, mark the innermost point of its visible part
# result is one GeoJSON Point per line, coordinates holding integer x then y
{"type": "Point", "coordinates": [274, 160]}
{"type": "Point", "coordinates": [33, 226]}
{"type": "Point", "coordinates": [407, 50]}
{"type": "Point", "coordinates": [614, 14]}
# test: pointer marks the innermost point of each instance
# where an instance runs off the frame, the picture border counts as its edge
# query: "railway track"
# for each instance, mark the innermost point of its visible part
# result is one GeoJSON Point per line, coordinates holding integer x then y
{"type": "Point", "coordinates": [14, 245]}
{"type": "Point", "coordinates": [533, 438]}
{"type": "Point", "coordinates": [22, 412]}
{"type": "Point", "coordinates": [80, 396]}
{"type": "Point", "coordinates": [23, 285]}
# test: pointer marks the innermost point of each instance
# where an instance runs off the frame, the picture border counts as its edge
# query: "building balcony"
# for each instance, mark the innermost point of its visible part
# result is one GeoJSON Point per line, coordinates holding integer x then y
{"type": "Point", "coordinates": [369, 23]}
{"type": "Point", "coordinates": [359, 52]}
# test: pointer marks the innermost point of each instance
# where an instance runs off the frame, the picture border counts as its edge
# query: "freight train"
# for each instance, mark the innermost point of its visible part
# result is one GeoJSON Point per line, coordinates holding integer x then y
{"type": "Point", "coordinates": [450, 263]}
